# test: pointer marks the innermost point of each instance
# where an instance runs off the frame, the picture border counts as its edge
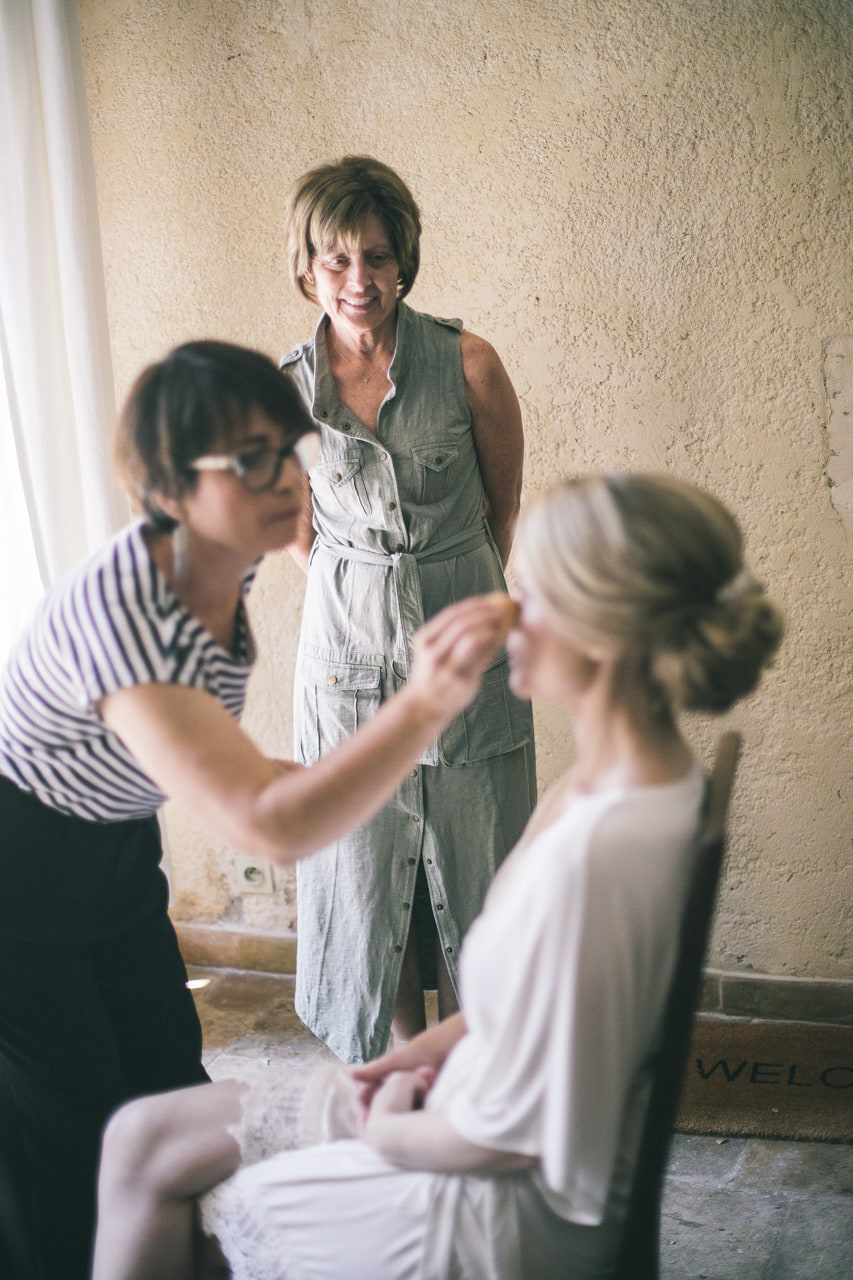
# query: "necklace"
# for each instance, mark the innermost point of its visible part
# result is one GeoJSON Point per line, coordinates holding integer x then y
{"type": "Point", "coordinates": [363, 377]}
{"type": "Point", "coordinates": [367, 377]}
{"type": "Point", "coordinates": [339, 364]}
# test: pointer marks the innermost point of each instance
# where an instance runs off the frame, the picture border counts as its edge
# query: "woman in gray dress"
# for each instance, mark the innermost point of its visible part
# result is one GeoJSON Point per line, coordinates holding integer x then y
{"type": "Point", "coordinates": [411, 505]}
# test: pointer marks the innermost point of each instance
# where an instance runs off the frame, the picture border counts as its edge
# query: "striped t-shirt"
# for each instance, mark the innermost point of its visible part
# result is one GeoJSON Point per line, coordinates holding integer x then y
{"type": "Point", "coordinates": [112, 623]}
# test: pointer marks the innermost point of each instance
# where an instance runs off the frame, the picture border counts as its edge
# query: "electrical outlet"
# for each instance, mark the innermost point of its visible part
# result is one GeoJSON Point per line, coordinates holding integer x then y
{"type": "Point", "coordinates": [251, 876]}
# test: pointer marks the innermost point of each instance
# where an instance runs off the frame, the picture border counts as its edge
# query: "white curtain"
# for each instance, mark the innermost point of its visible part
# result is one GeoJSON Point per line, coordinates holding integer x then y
{"type": "Point", "coordinates": [58, 498]}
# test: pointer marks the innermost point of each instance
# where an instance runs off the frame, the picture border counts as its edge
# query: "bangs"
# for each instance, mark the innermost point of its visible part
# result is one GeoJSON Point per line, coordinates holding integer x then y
{"type": "Point", "coordinates": [343, 223]}
{"type": "Point", "coordinates": [329, 206]}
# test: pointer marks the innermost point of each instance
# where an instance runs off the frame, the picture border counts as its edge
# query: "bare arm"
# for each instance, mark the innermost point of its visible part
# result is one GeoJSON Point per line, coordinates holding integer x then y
{"type": "Point", "coordinates": [498, 436]}
{"type": "Point", "coordinates": [197, 754]}
{"type": "Point", "coordinates": [417, 1139]}
{"type": "Point", "coordinates": [306, 534]}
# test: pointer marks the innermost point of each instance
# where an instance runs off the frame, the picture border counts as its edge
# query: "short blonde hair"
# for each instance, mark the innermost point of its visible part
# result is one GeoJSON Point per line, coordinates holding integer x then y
{"type": "Point", "coordinates": [332, 201]}
{"type": "Point", "coordinates": [651, 568]}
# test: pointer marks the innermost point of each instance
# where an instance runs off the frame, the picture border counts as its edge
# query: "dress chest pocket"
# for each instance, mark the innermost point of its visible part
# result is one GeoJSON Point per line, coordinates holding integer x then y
{"type": "Point", "coordinates": [338, 693]}
{"type": "Point", "coordinates": [341, 477]}
{"type": "Point", "coordinates": [434, 469]}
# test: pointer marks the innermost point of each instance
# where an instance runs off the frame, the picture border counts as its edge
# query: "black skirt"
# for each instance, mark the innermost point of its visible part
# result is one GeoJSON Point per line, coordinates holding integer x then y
{"type": "Point", "coordinates": [94, 1010]}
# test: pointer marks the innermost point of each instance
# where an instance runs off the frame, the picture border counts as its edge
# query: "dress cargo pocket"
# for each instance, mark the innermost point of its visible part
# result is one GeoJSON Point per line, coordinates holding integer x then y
{"type": "Point", "coordinates": [434, 469]}
{"type": "Point", "coordinates": [338, 694]}
{"type": "Point", "coordinates": [494, 723]}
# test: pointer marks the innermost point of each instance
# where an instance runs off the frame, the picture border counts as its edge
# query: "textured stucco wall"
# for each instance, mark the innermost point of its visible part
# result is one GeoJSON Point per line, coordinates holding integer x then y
{"type": "Point", "coordinates": [646, 206]}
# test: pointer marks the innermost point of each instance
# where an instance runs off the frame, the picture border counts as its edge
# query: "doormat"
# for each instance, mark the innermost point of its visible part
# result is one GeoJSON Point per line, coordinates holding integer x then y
{"type": "Point", "coordinates": [769, 1080]}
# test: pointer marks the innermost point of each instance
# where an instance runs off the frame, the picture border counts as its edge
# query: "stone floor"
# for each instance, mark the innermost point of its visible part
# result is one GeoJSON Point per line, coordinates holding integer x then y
{"type": "Point", "coordinates": [734, 1208]}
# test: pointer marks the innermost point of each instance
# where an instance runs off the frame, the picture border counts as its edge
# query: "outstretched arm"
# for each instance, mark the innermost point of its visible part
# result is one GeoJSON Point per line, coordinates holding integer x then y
{"type": "Point", "coordinates": [197, 754]}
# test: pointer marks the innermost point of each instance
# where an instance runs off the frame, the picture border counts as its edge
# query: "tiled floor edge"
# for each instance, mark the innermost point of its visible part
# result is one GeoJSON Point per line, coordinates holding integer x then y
{"type": "Point", "coordinates": [737, 994]}
{"type": "Point", "coordinates": [759, 995]}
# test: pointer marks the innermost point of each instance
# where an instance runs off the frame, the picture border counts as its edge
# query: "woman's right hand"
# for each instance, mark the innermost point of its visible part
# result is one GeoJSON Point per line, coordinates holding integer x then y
{"type": "Point", "coordinates": [453, 649]}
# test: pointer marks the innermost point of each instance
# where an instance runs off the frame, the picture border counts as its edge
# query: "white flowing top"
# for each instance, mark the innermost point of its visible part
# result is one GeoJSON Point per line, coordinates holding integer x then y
{"type": "Point", "coordinates": [564, 978]}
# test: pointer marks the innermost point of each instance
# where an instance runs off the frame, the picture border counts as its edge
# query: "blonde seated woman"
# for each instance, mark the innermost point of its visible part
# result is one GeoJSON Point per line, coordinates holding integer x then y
{"type": "Point", "coordinates": [499, 1143]}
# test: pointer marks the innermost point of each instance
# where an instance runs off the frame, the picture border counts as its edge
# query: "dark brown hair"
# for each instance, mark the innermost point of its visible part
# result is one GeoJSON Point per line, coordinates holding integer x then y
{"type": "Point", "coordinates": [194, 401]}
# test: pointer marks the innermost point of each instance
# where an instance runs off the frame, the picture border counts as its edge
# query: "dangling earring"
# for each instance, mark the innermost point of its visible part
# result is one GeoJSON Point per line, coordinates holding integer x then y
{"type": "Point", "coordinates": [180, 551]}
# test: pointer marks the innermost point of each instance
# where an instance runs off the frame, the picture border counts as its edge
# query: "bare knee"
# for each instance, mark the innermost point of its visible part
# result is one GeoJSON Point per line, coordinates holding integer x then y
{"type": "Point", "coordinates": [174, 1145]}
{"type": "Point", "coordinates": [132, 1145]}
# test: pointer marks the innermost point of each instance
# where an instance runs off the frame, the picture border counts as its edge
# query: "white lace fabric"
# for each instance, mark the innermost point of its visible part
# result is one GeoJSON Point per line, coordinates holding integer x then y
{"type": "Point", "coordinates": [283, 1108]}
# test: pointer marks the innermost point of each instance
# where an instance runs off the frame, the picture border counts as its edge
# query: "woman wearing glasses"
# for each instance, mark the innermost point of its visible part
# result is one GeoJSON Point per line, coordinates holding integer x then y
{"type": "Point", "coordinates": [125, 690]}
{"type": "Point", "coordinates": [412, 505]}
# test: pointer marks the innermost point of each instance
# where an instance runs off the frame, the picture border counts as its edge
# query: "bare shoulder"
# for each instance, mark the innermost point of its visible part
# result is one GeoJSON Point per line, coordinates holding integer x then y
{"type": "Point", "coordinates": [479, 358]}
{"type": "Point", "coordinates": [484, 372]}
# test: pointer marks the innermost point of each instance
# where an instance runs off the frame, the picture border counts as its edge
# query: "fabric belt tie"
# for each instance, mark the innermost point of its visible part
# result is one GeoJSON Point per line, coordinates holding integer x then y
{"type": "Point", "coordinates": [407, 585]}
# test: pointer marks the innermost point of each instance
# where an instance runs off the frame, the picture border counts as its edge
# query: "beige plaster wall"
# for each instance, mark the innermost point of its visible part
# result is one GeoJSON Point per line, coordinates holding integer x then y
{"type": "Point", "coordinates": [646, 206]}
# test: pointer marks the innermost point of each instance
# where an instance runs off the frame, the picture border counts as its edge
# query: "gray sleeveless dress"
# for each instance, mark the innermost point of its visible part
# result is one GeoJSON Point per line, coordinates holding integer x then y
{"type": "Point", "coordinates": [400, 534]}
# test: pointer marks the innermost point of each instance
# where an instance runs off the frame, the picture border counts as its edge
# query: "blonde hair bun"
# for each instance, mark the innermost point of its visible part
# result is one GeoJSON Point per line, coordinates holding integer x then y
{"type": "Point", "coordinates": [726, 651]}
{"type": "Point", "coordinates": [652, 568]}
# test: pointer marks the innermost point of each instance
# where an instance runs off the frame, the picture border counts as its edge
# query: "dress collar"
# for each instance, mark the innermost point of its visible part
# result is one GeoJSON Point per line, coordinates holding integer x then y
{"type": "Point", "coordinates": [327, 405]}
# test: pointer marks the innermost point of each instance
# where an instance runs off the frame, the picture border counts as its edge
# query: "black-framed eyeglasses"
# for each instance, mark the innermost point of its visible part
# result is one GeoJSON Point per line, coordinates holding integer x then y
{"type": "Point", "coordinates": [259, 468]}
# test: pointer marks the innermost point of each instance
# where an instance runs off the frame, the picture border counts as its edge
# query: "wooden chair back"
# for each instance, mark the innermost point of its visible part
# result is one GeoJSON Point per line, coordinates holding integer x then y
{"type": "Point", "coordinates": [639, 1251]}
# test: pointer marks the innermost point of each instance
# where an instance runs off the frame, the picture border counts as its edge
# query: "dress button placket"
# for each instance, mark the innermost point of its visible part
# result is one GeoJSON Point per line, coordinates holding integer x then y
{"type": "Point", "coordinates": [445, 923]}
{"type": "Point", "coordinates": [391, 497]}
{"type": "Point", "coordinates": [412, 796]}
